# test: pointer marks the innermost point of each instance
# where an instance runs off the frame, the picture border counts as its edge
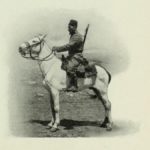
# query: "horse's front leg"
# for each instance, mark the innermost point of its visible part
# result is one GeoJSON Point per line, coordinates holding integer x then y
{"type": "Point", "coordinates": [45, 84]}
{"type": "Point", "coordinates": [55, 98]}
{"type": "Point", "coordinates": [52, 110]}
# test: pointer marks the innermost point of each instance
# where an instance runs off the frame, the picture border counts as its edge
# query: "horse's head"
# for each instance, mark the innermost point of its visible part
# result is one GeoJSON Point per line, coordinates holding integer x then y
{"type": "Point", "coordinates": [32, 47]}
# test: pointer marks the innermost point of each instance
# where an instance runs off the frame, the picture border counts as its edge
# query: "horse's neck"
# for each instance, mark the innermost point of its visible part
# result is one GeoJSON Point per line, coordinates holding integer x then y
{"type": "Point", "coordinates": [45, 50]}
{"type": "Point", "coordinates": [51, 62]}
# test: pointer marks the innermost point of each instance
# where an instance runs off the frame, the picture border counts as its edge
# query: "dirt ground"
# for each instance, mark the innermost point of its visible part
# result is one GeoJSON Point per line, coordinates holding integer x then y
{"type": "Point", "coordinates": [30, 112]}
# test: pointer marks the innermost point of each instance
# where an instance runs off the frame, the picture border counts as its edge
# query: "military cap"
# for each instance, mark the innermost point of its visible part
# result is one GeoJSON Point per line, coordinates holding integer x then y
{"type": "Point", "coordinates": [73, 22]}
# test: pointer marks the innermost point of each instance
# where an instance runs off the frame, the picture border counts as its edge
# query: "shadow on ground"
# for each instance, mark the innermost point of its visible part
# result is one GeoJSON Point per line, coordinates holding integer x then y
{"type": "Point", "coordinates": [68, 123]}
{"type": "Point", "coordinates": [92, 128]}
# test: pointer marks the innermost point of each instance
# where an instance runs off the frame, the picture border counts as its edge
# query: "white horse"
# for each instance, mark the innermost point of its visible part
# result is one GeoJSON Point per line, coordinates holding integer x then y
{"type": "Point", "coordinates": [55, 80]}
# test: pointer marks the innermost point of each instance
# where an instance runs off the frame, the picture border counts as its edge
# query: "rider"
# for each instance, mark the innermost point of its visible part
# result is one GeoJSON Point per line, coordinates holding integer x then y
{"type": "Point", "coordinates": [74, 48]}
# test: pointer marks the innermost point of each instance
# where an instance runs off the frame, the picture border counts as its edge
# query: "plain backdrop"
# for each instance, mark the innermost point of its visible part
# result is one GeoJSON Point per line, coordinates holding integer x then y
{"type": "Point", "coordinates": [129, 89]}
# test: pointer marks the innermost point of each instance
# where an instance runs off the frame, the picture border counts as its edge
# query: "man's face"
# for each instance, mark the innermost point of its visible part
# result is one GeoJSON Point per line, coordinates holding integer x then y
{"type": "Point", "coordinates": [71, 29]}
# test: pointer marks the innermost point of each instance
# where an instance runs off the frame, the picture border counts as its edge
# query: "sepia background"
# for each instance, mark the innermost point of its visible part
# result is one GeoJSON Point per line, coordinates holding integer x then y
{"type": "Point", "coordinates": [124, 21]}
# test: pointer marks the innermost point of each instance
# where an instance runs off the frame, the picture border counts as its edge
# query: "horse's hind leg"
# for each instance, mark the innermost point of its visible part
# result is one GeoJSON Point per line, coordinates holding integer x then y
{"type": "Point", "coordinates": [102, 95]}
{"type": "Point", "coordinates": [107, 105]}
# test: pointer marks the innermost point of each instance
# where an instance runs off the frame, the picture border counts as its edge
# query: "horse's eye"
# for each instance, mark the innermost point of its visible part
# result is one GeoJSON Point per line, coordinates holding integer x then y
{"type": "Point", "coordinates": [34, 41]}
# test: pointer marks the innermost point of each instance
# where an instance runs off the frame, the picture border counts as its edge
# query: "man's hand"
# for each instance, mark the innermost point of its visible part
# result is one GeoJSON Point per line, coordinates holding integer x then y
{"type": "Point", "coordinates": [54, 49]}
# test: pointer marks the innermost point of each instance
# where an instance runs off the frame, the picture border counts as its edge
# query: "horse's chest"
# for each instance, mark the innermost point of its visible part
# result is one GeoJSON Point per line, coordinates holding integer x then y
{"type": "Point", "coordinates": [55, 79]}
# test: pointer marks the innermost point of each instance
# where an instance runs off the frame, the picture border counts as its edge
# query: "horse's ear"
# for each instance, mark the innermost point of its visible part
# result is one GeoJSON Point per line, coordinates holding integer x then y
{"type": "Point", "coordinates": [44, 36]}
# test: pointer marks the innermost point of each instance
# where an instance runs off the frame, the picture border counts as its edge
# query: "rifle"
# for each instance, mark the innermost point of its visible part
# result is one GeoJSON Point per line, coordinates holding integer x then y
{"type": "Point", "coordinates": [86, 31]}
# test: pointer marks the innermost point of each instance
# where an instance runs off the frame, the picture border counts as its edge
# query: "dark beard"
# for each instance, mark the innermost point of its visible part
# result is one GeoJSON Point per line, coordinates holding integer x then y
{"type": "Point", "coordinates": [72, 32]}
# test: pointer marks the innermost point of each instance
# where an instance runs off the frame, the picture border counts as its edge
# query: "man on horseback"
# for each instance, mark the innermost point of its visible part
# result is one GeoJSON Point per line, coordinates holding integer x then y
{"type": "Point", "coordinates": [75, 57]}
{"type": "Point", "coordinates": [54, 78]}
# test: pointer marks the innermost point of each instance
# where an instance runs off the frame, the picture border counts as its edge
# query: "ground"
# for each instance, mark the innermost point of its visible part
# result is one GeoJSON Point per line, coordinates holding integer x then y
{"type": "Point", "coordinates": [30, 112]}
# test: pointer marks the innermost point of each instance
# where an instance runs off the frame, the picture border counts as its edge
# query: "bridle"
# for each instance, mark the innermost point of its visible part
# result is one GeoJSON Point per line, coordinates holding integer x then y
{"type": "Point", "coordinates": [30, 48]}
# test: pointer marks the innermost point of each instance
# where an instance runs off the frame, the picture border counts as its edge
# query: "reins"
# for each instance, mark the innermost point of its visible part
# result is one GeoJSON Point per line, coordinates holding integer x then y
{"type": "Point", "coordinates": [46, 58]}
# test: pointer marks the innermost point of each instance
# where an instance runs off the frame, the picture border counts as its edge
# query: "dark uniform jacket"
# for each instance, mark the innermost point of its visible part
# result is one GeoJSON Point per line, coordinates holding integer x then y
{"type": "Point", "coordinates": [74, 46]}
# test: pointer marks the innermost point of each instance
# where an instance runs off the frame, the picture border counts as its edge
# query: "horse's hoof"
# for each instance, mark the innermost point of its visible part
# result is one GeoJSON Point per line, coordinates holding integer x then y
{"type": "Point", "coordinates": [102, 124]}
{"type": "Point", "coordinates": [53, 129]}
{"type": "Point", "coordinates": [48, 127]}
{"type": "Point", "coordinates": [108, 126]}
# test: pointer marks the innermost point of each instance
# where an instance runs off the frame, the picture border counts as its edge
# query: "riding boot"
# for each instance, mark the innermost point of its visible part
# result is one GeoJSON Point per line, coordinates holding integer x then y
{"type": "Point", "coordinates": [75, 82]}
{"type": "Point", "coordinates": [72, 85]}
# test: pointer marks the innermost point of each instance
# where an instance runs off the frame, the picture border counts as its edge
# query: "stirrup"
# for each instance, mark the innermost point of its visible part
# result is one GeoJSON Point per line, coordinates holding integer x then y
{"type": "Point", "coordinates": [72, 89]}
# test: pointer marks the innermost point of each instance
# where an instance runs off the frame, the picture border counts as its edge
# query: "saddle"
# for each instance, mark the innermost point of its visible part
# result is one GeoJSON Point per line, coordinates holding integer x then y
{"type": "Point", "coordinates": [85, 69]}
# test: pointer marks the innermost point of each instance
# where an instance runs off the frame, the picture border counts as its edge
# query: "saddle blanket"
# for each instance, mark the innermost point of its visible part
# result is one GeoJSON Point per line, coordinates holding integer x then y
{"type": "Point", "coordinates": [84, 83]}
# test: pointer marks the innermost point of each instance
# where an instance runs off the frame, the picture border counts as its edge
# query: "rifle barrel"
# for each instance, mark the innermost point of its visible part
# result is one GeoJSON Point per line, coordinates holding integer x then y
{"type": "Point", "coordinates": [86, 31]}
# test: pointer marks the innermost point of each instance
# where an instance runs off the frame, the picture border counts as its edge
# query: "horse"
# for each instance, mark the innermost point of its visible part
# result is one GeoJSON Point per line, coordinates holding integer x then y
{"type": "Point", "coordinates": [55, 79]}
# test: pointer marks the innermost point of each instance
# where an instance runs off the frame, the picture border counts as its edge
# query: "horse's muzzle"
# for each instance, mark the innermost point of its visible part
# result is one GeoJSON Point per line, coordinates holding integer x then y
{"type": "Point", "coordinates": [21, 51]}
